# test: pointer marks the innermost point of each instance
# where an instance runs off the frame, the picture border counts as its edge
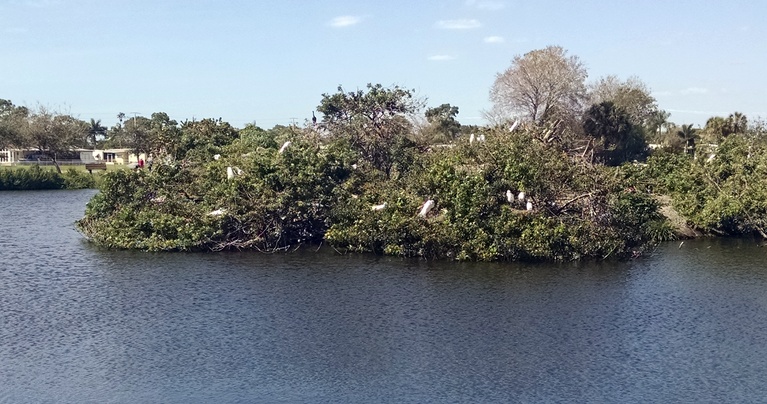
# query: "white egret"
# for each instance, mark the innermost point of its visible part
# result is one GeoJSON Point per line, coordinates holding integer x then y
{"type": "Point", "coordinates": [471, 139]}
{"type": "Point", "coordinates": [216, 156]}
{"type": "Point", "coordinates": [229, 173]}
{"type": "Point", "coordinates": [529, 205]}
{"type": "Point", "coordinates": [481, 138]}
{"type": "Point", "coordinates": [521, 196]}
{"type": "Point", "coordinates": [284, 146]}
{"type": "Point", "coordinates": [379, 207]}
{"type": "Point", "coordinates": [217, 212]}
{"type": "Point", "coordinates": [427, 206]}
{"type": "Point", "coordinates": [514, 126]}
{"type": "Point", "coordinates": [509, 196]}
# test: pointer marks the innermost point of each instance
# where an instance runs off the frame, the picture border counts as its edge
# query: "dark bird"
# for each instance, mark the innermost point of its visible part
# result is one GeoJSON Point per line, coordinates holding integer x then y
{"type": "Point", "coordinates": [314, 118]}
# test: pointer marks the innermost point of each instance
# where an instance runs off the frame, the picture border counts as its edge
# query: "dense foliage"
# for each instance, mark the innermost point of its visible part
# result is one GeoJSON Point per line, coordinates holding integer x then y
{"type": "Point", "coordinates": [320, 190]}
{"type": "Point", "coordinates": [722, 190]}
{"type": "Point", "coordinates": [36, 178]}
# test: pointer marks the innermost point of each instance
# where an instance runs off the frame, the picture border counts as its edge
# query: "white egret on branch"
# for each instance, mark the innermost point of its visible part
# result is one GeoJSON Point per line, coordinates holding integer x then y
{"type": "Point", "coordinates": [426, 208]}
{"type": "Point", "coordinates": [529, 205]}
{"type": "Point", "coordinates": [379, 207]}
{"type": "Point", "coordinates": [229, 173]}
{"type": "Point", "coordinates": [284, 146]}
{"type": "Point", "coordinates": [217, 212]}
{"type": "Point", "coordinates": [509, 196]}
{"type": "Point", "coordinates": [481, 138]}
{"type": "Point", "coordinates": [471, 139]}
{"type": "Point", "coordinates": [216, 156]}
{"type": "Point", "coordinates": [514, 126]}
{"type": "Point", "coordinates": [521, 196]}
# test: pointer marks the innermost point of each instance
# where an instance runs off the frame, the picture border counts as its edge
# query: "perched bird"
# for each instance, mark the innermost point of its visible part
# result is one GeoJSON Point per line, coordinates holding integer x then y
{"type": "Point", "coordinates": [379, 207]}
{"type": "Point", "coordinates": [427, 206]}
{"type": "Point", "coordinates": [529, 205]}
{"type": "Point", "coordinates": [217, 212]}
{"type": "Point", "coordinates": [284, 146]}
{"type": "Point", "coordinates": [509, 196]}
{"type": "Point", "coordinates": [514, 126]}
{"type": "Point", "coordinates": [521, 196]}
{"type": "Point", "coordinates": [229, 173]}
{"type": "Point", "coordinates": [471, 139]}
{"type": "Point", "coordinates": [314, 119]}
{"type": "Point", "coordinates": [216, 156]}
{"type": "Point", "coordinates": [481, 138]}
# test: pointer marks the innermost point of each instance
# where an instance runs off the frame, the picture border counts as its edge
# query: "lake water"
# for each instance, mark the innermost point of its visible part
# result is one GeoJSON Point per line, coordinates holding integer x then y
{"type": "Point", "coordinates": [79, 324]}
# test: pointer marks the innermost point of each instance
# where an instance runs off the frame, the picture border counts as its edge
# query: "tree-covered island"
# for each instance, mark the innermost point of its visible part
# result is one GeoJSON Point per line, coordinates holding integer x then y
{"type": "Point", "coordinates": [565, 171]}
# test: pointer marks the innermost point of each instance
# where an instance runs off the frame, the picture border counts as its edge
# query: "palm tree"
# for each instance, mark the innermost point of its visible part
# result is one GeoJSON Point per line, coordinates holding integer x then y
{"type": "Point", "coordinates": [94, 131]}
{"type": "Point", "coordinates": [737, 122]}
{"type": "Point", "coordinates": [688, 134]}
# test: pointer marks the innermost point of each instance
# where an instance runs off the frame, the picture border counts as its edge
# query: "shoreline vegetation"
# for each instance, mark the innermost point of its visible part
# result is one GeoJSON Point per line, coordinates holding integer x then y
{"type": "Point", "coordinates": [564, 171]}
{"type": "Point", "coordinates": [35, 177]}
{"type": "Point", "coordinates": [318, 191]}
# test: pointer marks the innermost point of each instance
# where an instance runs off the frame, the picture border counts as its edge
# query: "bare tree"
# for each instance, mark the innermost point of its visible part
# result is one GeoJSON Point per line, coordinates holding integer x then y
{"type": "Point", "coordinates": [540, 86]}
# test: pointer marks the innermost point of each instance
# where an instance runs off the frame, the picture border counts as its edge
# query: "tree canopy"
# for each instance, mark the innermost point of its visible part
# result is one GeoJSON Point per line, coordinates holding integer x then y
{"type": "Point", "coordinates": [539, 86]}
{"type": "Point", "coordinates": [374, 121]}
{"type": "Point", "coordinates": [632, 96]}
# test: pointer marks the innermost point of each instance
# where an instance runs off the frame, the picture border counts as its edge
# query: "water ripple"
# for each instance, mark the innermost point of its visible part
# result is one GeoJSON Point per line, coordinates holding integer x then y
{"type": "Point", "coordinates": [81, 324]}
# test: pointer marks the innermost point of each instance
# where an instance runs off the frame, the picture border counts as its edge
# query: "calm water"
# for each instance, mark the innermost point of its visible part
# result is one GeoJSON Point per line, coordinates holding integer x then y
{"type": "Point", "coordinates": [79, 324]}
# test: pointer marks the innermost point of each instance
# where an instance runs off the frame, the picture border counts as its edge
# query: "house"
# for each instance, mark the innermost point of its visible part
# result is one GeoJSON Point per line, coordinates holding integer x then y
{"type": "Point", "coordinates": [113, 156]}
{"type": "Point", "coordinates": [110, 156]}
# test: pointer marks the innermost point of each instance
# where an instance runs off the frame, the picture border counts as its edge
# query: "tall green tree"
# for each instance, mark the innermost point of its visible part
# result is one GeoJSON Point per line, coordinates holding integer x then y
{"type": "Point", "coordinates": [442, 121]}
{"type": "Point", "coordinates": [12, 119]}
{"type": "Point", "coordinates": [738, 122]}
{"type": "Point", "coordinates": [374, 121]}
{"type": "Point", "coordinates": [96, 132]}
{"type": "Point", "coordinates": [689, 136]}
{"type": "Point", "coordinates": [615, 139]}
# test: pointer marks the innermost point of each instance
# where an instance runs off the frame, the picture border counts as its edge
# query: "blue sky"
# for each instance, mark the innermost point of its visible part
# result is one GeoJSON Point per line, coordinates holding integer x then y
{"type": "Point", "coordinates": [271, 61]}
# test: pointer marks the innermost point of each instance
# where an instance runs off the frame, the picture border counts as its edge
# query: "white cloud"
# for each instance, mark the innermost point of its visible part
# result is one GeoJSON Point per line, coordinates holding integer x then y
{"type": "Point", "coordinates": [458, 24]}
{"type": "Point", "coordinates": [441, 58]}
{"type": "Point", "coordinates": [694, 90]}
{"type": "Point", "coordinates": [489, 5]}
{"type": "Point", "coordinates": [494, 39]}
{"type": "Point", "coordinates": [344, 21]}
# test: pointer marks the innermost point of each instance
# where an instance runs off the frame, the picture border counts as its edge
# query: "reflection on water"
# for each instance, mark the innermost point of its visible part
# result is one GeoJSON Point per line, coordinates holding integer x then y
{"type": "Point", "coordinates": [81, 324]}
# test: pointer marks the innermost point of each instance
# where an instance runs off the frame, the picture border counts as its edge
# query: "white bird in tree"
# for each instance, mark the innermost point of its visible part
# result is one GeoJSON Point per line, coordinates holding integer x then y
{"type": "Point", "coordinates": [471, 139]}
{"type": "Point", "coordinates": [521, 196]}
{"type": "Point", "coordinates": [481, 138]}
{"type": "Point", "coordinates": [229, 173]}
{"type": "Point", "coordinates": [514, 126]}
{"type": "Point", "coordinates": [284, 146]}
{"type": "Point", "coordinates": [529, 205]}
{"type": "Point", "coordinates": [509, 196]}
{"type": "Point", "coordinates": [217, 212]}
{"type": "Point", "coordinates": [426, 208]}
{"type": "Point", "coordinates": [379, 207]}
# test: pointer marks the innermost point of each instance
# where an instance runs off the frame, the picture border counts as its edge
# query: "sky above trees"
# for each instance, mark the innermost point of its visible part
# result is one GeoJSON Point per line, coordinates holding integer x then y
{"type": "Point", "coordinates": [271, 61]}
